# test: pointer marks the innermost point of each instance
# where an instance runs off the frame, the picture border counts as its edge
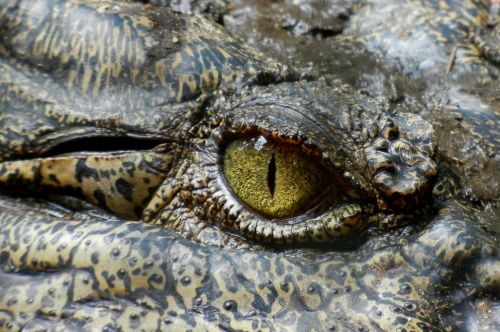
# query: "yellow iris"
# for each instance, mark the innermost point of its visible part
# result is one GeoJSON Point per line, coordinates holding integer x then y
{"type": "Point", "coordinates": [275, 179]}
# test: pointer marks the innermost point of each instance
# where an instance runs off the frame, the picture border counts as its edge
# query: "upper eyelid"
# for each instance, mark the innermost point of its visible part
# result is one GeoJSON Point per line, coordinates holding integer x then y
{"type": "Point", "coordinates": [335, 164]}
{"type": "Point", "coordinates": [280, 107]}
{"type": "Point", "coordinates": [290, 121]}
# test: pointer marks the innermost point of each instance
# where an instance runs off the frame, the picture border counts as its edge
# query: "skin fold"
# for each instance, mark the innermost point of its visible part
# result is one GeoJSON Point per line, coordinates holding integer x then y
{"type": "Point", "coordinates": [120, 208]}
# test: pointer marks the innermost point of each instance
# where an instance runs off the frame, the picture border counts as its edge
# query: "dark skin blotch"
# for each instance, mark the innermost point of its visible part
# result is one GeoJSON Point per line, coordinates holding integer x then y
{"type": "Point", "coordinates": [54, 178]}
{"type": "Point", "coordinates": [82, 170]}
{"type": "Point", "coordinates": [125, 189]}
{"type": "Point", "coordinates": [100, 197]}
{"type": "Point", "coordinates": [129, 167]}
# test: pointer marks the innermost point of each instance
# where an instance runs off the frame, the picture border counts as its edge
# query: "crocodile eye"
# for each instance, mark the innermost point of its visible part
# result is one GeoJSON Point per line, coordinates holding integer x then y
{"type": "Point", "coordinates": [275, 179]}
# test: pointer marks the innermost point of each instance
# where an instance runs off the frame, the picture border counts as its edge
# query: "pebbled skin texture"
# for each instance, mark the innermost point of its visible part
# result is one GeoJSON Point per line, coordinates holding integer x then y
{"type": "Point", "coordinates": [123, 274]}
{"type": "Point", "coordinates": [487, 40]}
{"type": "Point", "coordinates": [431, 29]}
{"type": "Point", "coordinates": [124, 87]}
{"type": "Point", "coordinates": [394, 257]}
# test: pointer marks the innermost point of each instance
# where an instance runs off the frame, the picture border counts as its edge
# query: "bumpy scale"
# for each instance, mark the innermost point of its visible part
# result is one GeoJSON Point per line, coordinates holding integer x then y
{"type": "Point", "coordinates": [74, 70]}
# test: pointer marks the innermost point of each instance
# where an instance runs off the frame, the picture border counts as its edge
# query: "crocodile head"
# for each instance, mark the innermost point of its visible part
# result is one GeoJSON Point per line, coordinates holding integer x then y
{"type": "Point", "coordinates": [188, 183]}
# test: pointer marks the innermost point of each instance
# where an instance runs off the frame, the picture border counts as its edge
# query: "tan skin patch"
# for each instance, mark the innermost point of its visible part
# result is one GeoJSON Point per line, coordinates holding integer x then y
{"type": "Point", "coordinates": [121, 183]}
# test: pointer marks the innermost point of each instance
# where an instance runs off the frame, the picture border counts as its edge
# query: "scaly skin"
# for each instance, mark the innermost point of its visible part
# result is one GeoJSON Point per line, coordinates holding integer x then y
{"type": "Point", "coordinates": [75, 271]}
{"type": "Point", "coordinates": [184, 82]}
{"type": "Point", "coordinates": [421, 33]}
{"type": "Point", "coordinates": [487, 40]}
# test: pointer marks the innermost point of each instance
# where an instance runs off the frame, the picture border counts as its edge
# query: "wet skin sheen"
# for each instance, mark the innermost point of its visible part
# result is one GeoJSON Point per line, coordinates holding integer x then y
{"type": "Point", "coordinates": [149, 170]}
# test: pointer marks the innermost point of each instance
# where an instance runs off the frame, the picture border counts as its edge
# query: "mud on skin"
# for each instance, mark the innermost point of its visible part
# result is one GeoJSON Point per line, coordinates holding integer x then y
{"type": "Point", "coordinates": [445, 74]}
{"type": "Point", "coordinates": [118, 211]}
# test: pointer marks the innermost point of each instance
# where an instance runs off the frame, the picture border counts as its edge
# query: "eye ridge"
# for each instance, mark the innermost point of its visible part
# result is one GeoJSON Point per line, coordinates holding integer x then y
{"type": "Point", "coordinates": [271, 175]}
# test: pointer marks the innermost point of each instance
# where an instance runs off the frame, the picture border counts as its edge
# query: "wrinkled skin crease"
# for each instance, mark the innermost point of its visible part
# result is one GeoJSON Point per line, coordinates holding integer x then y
{"type": "Point", "coordinates": [88, 269]}
{"type": "Point", "coordinates": [184, 285]}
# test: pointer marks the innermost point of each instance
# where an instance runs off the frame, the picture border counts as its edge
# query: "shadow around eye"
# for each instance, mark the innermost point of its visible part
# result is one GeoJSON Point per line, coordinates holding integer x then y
{"type": "Point", "coordinates": [100, 144]}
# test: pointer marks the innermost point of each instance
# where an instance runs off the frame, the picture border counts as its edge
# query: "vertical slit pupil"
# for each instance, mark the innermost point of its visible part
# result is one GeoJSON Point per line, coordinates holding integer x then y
{"type": "Point", "coordinates": [271, 175]}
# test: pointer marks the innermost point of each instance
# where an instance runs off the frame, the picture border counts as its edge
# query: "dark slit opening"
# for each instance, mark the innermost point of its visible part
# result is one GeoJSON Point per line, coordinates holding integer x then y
{"type": "Point", "coordinates": [101, 144]}
{"type": "Point", "coordinates": [271, 175]}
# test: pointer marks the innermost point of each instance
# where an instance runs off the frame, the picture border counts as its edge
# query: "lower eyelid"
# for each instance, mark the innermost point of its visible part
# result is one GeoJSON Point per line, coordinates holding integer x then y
{"type": "Point", "coordinates": [335, 222]}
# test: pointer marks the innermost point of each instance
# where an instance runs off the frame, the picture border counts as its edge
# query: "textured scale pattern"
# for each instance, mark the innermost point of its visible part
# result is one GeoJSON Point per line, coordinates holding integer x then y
{"type": "Point", "coordinates": [422, 33]}
{"type": "Point", "coordinates": [153, 239]}
{"type": "Point", "coordinates": [154, 60]}
{"type": "Point", "coordinates": [126, 275]}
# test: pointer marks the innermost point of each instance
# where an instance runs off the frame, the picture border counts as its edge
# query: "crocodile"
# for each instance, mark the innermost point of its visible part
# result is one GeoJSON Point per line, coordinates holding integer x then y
{"type": "Point", "coordinates": [157, 174]}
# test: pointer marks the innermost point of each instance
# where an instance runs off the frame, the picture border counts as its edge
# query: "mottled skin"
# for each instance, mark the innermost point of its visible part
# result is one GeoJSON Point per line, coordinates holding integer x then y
{"type": "Point", "coordinates": [102, 271]}
{"type": "Point", "coordinates": [487, 39]}
{"type": "Point", "coordinates": [394, 256]}
{"type": "Point", "coordinates": [431, 29]}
